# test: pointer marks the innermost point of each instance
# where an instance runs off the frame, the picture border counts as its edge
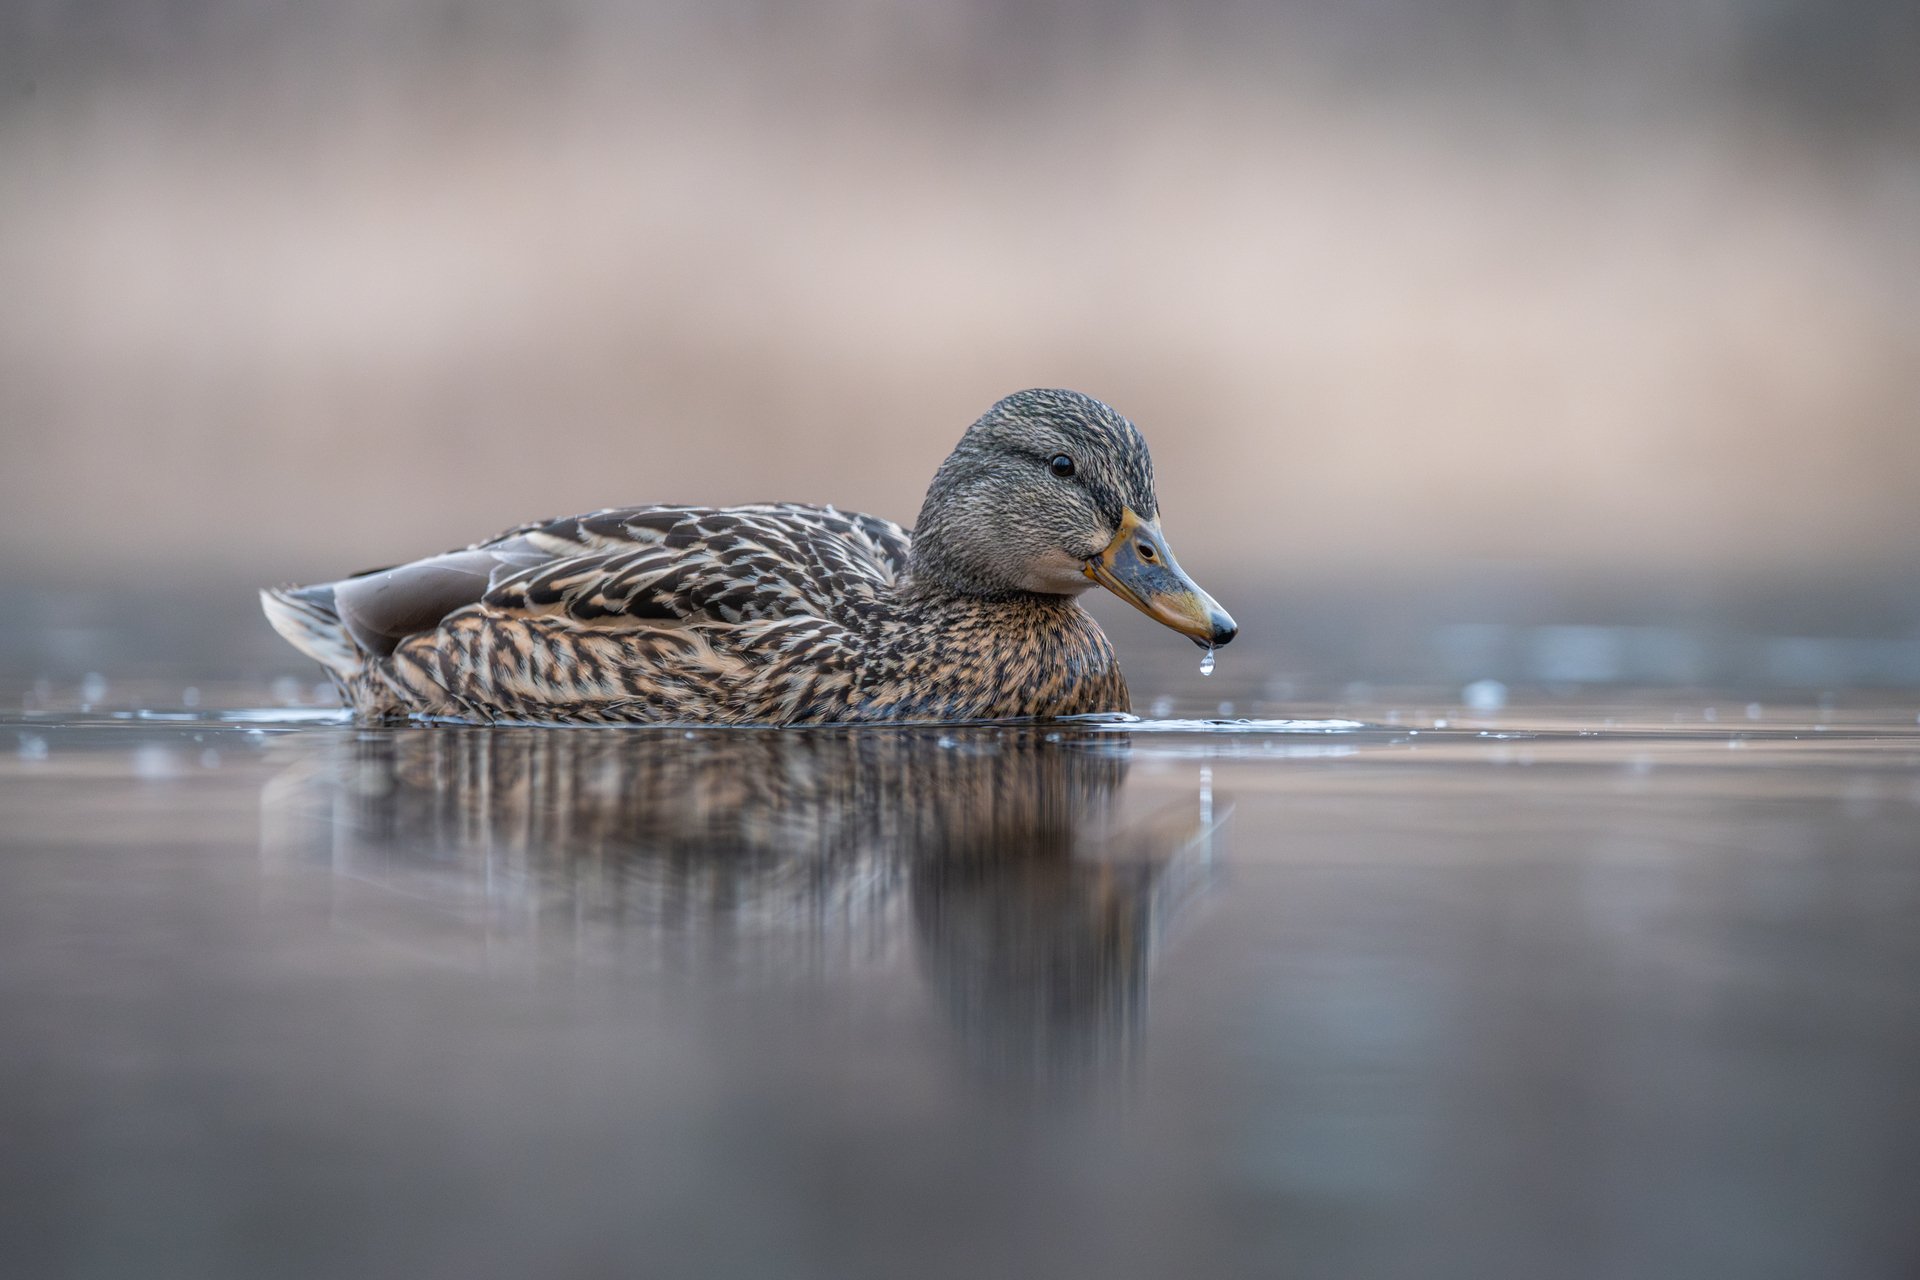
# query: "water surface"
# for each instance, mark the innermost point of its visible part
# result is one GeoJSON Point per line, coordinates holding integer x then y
{"type": "Point", "coordinates": [1594, 990]}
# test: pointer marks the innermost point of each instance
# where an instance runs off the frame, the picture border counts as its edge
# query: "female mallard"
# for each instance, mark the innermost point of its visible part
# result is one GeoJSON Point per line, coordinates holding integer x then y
{"type": "Point", "coordinates": [784, 613]}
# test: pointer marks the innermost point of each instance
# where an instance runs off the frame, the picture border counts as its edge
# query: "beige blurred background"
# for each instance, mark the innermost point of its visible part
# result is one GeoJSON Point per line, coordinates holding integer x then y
{"type": "Point", "coordinates": [1407, 296]}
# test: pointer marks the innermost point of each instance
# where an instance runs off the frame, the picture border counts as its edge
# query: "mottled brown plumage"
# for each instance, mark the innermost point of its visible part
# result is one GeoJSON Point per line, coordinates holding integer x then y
{"type": "Point", "coordinates": [776, 613]}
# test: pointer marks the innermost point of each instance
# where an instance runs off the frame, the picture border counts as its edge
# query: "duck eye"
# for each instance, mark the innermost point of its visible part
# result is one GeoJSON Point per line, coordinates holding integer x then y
{"type": "Point", "coordinates": [1062, 465]}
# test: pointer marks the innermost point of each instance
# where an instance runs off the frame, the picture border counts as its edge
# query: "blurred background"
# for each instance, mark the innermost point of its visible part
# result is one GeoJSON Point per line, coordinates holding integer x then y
{"type": "Point", "coordinates": [1567, 343]}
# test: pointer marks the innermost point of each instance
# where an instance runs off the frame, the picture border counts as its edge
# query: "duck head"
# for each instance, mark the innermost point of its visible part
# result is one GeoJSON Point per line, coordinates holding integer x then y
{"type": "Point", "coordinates": [1051, 492]}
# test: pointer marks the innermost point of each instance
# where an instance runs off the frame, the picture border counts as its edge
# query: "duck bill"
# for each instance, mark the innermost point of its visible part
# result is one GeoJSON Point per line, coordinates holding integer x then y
{"type": "Point", "coordinates": [1138, 567]}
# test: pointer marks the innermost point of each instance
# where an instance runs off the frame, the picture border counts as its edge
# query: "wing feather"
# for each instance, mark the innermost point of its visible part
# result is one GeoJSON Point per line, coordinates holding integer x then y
{"type": "Point", "coordinates": [657, 565]}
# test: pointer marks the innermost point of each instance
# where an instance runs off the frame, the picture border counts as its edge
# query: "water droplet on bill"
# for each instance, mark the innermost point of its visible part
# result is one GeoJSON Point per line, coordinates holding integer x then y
{"type": "Point", "coordinates": [1206, 662]}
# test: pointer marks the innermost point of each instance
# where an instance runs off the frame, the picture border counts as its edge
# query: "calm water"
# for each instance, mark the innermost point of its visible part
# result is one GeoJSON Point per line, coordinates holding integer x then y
{"type": "Point", "coordinates": [1608, 990]}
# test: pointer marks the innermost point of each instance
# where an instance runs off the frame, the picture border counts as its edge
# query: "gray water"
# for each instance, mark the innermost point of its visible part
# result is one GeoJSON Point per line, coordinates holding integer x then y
{"type": "Point", "coordinates": [1408, 989]}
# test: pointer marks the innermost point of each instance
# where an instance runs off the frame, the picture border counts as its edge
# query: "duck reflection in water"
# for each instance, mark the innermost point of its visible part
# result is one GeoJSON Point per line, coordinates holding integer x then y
{"type": "Point", "coordinates": [1033, 895]}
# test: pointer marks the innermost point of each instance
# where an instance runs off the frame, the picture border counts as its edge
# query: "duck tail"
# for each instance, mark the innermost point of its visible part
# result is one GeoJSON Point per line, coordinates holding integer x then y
{"type": "Point", "coordinates": [306, 617]}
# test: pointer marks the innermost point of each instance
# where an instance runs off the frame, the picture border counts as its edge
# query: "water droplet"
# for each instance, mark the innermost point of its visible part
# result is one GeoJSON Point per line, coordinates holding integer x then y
{"type": "Point", "coordinates": [1206, 662]}
{"type": "Point", "coordinates": [153, 762]}
{"type": "Point", "coordinates": [1484, 695]}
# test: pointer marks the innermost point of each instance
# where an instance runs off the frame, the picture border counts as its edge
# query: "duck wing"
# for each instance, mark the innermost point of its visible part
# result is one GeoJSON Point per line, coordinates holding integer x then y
{"type": "Point", "coordinates": [706, 564]}
{"type": "Point", "coordinates": [640, 566]}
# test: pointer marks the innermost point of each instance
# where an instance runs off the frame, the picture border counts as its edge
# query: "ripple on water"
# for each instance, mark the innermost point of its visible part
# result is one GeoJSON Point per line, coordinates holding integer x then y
{"type": "Point", "coordinates": [1132, 724]}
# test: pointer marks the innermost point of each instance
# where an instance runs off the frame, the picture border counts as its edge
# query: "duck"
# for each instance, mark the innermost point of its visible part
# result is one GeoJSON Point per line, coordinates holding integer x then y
{"type": "Point", "coordinates": [784, 613]}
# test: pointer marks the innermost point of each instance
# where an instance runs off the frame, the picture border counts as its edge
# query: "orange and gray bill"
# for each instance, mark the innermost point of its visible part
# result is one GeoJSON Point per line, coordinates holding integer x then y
{"type": "Point", "coordinates": [1138, 567]}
